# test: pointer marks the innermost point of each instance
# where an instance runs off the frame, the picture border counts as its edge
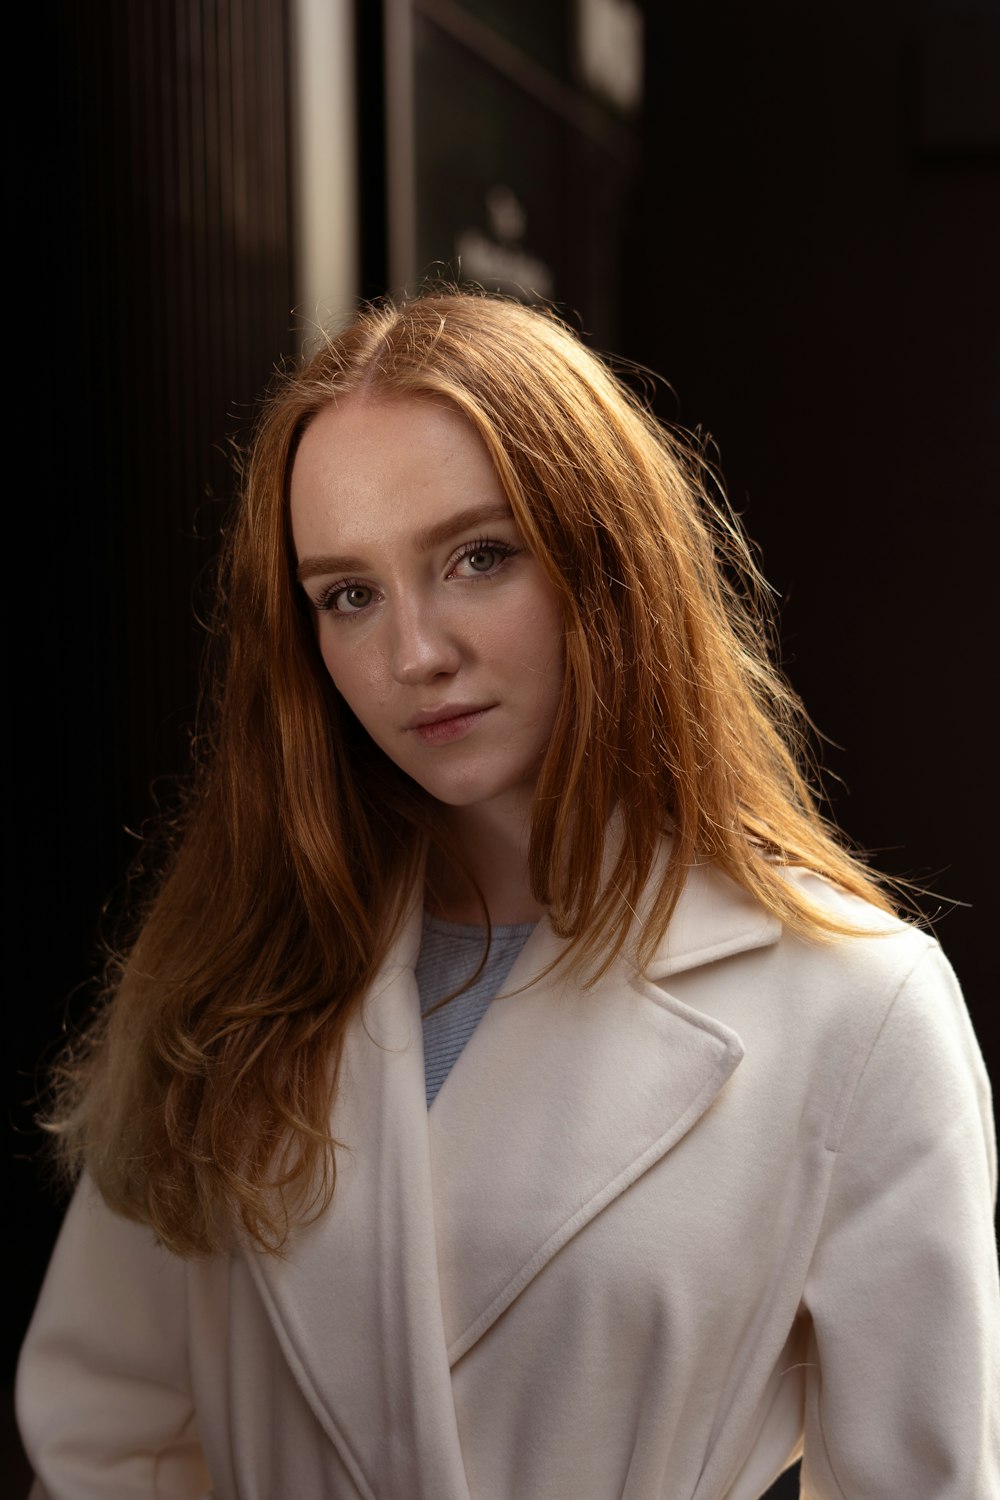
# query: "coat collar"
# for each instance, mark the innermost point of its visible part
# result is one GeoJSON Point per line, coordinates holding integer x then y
{"type": "Point", "coordinates": [436, 1226]}
{"type": "Point", "coordinates": [714, 918]}
{"type": "Point", "coordinates": [589, 1086]}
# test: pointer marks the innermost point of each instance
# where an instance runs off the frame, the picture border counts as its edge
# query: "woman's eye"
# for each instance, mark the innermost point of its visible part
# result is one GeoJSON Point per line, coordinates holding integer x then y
{"type": "Point", "coordinates": [483, 557]}
{"type": "Point", "coordinates": [347, 598]}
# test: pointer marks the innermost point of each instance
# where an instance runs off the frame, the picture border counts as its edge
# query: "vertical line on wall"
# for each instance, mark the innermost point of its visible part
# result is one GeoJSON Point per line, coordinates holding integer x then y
{"type": "Point", "coordinates": [400, 128]}
{"type": "Point", "coordinates": [324, 133]}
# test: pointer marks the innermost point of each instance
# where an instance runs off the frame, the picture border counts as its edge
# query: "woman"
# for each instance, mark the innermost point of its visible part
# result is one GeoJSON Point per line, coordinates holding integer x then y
{"type": "Point", "coordinates": [709, 1185]}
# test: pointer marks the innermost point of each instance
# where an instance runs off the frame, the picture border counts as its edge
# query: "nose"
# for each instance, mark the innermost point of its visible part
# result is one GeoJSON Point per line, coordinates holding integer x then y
{"type": "Point", "coordinates": [424, 645]}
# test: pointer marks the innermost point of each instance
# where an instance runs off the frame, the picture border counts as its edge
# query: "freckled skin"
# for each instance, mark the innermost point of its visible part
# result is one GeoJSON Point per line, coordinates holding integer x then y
{"type": "Point", "coordinates": [464, 626]}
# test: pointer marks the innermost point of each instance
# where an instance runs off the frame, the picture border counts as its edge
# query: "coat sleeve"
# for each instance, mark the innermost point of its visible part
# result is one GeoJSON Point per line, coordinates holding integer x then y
{"type": "Point", "coordinates": [103, 1391]}
{"type": "Point", "coordinates": [903, 1381]}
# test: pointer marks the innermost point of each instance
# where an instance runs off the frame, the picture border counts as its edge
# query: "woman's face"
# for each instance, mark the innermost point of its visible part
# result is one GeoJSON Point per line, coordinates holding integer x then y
{"type": "Point", "coordinates": [439, 629]}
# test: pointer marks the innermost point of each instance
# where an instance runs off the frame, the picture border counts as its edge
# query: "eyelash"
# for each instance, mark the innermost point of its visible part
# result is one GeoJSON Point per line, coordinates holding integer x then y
{"type": "Point", "coordinates": [328, 598]}
{"type": "Point", "coordinates": [505, 550]}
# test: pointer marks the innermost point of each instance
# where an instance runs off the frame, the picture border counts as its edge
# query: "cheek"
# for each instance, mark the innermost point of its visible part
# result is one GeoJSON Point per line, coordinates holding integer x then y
{"type": "Point", "coordinates": [537, 640]}
{"type": "Point", "coordinates": [329, 656]}
{"type": "Point", "coordinates": [354, 674]}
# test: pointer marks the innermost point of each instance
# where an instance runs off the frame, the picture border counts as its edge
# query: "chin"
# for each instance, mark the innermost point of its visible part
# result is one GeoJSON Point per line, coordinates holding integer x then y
{"type": "Point", "coordinates": [472, 794]}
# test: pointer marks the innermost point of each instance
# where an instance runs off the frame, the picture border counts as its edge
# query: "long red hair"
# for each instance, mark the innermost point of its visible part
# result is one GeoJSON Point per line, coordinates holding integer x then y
{"type": "Point", "coordinates": [200, 1099]}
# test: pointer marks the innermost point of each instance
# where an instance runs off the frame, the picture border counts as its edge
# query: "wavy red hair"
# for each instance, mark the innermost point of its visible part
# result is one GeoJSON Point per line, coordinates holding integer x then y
{"type": "Point", "coordinates": [201, 1097]}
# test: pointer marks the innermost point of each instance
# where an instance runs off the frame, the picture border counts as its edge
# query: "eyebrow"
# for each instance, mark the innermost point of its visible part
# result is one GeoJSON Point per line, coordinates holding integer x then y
{"type": "Point", "coordinates": [424, 541]}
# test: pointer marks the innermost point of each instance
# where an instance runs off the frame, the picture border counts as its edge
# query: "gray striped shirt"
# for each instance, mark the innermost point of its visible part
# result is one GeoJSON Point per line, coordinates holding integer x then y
{"type": "Point", "coordinates": [449, 954]}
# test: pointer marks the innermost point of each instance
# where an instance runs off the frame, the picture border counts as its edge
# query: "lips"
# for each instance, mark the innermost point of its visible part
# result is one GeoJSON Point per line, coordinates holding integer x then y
{"type": "Point", "coordinates": [446, 711]}
{"type": "Point", "coordinates": [451, 721]}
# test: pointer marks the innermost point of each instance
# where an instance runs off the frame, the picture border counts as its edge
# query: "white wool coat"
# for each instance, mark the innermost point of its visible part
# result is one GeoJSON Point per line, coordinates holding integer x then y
{"type": "Point", "coordinates": [652, 1241]}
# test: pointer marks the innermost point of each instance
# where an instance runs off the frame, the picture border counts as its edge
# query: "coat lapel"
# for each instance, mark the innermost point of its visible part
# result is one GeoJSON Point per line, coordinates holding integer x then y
{"type": "Point", "coordinates": [357, 1305]}
{"type": "Point", "coordinates": [563, 1098]}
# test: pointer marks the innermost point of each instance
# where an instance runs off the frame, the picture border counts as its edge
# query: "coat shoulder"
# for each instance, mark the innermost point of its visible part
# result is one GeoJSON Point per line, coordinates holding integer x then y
{"type": "Point", "coordinates": [880, 954]}
{"type": "Point", "coordinates": [819, 1006]}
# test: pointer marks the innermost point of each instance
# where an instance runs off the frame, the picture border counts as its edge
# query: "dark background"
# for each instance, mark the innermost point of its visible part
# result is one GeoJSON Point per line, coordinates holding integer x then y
{"type": "Point", "coordinates": [799, 231]}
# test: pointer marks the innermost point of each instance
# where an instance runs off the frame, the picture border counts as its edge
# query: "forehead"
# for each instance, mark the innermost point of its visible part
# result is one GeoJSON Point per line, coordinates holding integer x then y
{"type": "Point", "coordinates": [387, 441]}
{"type": "Point", "coordinates": [370, 468]}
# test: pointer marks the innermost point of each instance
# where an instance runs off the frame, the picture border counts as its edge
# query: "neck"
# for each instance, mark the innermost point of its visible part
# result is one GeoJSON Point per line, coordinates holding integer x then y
{"type": "Point", "coordinates": [493, 845]}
